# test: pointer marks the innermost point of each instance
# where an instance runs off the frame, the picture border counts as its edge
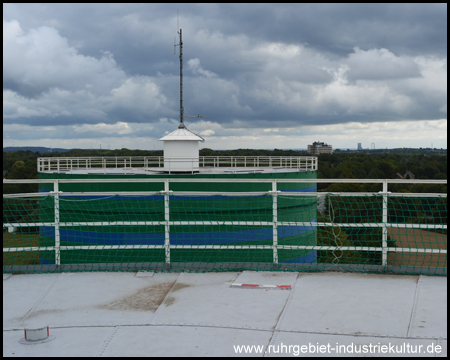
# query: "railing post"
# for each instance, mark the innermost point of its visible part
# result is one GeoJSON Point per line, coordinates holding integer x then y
{"type": "Point", "coordinates": [166, 219]}
{"type": "Point", "coordinates": [57, 232]}
{"type": "Point", "coordinates": [384, 220]}
{"type": "Point", "coordinates": [275, 219]}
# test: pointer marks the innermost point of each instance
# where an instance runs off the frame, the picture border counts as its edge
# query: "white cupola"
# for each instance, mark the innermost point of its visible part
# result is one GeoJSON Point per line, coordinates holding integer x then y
{"type": "Point", "coordinates": [181, 151]}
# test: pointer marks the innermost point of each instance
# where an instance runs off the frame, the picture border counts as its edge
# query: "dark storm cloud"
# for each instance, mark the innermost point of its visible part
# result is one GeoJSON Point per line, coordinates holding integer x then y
{"type": "Point", "coordinates": [337, 28]}
{"type": "Point", "coordinates": [245, 66]}
{"type": "Point", "coordinates": [334, 28]}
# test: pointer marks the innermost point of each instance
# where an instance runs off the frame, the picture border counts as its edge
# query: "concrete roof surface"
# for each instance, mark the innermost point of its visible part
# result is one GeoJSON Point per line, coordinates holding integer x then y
{"type": "Point", "coordinates": [211, 314]}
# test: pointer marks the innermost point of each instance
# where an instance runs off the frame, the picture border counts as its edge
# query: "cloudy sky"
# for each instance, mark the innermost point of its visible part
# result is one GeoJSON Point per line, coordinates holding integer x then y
{"type": "Point", "coordinates": [264, 76]}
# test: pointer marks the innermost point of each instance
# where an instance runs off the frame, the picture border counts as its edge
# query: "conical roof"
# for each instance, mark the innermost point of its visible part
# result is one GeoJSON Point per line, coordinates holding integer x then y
{"type": "Point", "coordinates": [182, 134]}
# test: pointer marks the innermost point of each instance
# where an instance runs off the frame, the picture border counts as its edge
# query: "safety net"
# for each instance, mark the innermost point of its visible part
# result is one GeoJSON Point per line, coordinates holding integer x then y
{"type": "Point", "coordinates": [226, 232]}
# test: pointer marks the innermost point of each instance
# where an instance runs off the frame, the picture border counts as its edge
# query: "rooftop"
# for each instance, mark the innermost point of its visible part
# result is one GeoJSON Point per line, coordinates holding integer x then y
{"type": "Point", "coordinates": [210, 314]}
{"type": "Point", "coordinates": [156, 164]}
{"type": "Point", "coordinates": [157, 171]}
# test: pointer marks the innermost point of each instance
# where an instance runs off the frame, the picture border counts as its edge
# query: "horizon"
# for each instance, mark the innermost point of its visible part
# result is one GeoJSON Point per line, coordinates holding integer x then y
{"type": "Point", "coordinates": [268, 149]}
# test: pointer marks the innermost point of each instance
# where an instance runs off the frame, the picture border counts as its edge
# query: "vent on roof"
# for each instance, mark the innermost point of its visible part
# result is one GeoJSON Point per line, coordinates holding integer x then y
{"type": "Point", "coordinates": [36, 336]}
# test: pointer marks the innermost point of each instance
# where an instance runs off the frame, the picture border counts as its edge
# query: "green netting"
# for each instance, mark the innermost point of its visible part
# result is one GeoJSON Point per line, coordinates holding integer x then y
{"type": "Point", "coordinates": [397, 234]}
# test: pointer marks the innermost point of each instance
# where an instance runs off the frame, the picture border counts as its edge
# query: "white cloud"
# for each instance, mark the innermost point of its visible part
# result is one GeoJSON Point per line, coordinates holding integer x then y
{"type": "Point", "coordinates": [208, 133]}
{"type": "Point", "coordinates": [379, 64]}
{"type": "Point", "coordinates": [52, 81]}
{"type": "Point", "coordinates": [48, 62]}
{"type": "Point", "coordinates": [11, 30]}
{"type": "Point", "coordinates": [382, 134]}
{"type": "Point", "coordinates": [194, 65]}
{"type": "Point", "coordinates": [118, 128]}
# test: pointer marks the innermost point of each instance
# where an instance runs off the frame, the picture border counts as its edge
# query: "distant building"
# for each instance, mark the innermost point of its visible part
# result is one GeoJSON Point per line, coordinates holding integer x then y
{"type": "Point", "coordinates": [359, 146]}
{"type": "Point", "coordinates": [319, 148]}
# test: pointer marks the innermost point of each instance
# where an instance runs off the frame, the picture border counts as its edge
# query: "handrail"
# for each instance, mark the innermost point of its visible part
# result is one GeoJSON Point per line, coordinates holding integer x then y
{"type": "Point", "coordinates": [147, 162]}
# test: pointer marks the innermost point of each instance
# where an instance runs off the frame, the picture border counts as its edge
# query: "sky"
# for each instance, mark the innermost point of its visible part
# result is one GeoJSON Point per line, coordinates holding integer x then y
{"type": "Point", "coordinates": [263, 76]}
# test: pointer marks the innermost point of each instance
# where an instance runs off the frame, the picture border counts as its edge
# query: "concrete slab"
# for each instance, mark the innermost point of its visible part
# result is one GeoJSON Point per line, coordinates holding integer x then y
{"type": "Point", "coordinates": [429, 318]}
{"type": "Point", "coordinates": [84, 299]}
{"type": "Point", "coordinates": [352, 304]}
{"type": "Point", "coordinates": [181, 341]}
{"type": "Point", "coordinates": [208, 299]}
{"type": "Point", "coordinates": [79, 341]}
{"type": "Point", "coordinates": [327, 345]}
{"type": "Point", "coordinates": [21, 293]}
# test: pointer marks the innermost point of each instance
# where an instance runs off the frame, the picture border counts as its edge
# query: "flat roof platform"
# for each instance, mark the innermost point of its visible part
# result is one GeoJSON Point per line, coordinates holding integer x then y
{"type": "Point", "coordinates": [226, 314]}
{"type": "Point", "coordinates": [160, 171]}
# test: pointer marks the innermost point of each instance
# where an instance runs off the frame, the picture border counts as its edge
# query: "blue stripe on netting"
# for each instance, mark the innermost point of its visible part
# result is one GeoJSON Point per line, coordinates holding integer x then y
{"type": "Point", "coordinates": [305, 189]}
{"type": "Point", "coordinates": [310, 258]}
{"type": "Point", "coordinates": [172, 197]}
{"type": "Point", "coordinates": [198, 238]}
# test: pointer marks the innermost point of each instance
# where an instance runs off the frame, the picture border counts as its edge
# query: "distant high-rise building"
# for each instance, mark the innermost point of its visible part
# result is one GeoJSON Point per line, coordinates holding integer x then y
{"type": "Point", "coordinates": [359, 146]}
{"type": "Point", "coordinates": [319, 148]}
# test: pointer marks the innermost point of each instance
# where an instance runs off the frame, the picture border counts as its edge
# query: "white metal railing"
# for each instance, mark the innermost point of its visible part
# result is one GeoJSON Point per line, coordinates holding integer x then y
{"type": "Point", "coordinates": [165, 190]}
{"type": "Point", "coordinates": [146, 162]}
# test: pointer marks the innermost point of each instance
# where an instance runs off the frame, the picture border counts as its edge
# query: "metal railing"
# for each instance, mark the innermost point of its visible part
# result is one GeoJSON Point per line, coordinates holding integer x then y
{"type": "Point", "coordinates": [275, 223]}
{"type": "Point", "coordinates": [147, 162]}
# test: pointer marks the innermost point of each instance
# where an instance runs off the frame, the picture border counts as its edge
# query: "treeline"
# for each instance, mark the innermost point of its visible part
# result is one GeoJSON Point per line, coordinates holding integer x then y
{"type": "Point", "coordinates": [382, 166]}
{"type": "Point", "coordinates": [340, 165]}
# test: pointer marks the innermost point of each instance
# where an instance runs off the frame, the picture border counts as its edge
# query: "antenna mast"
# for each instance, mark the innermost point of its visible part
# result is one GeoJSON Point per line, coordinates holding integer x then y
{"type": "Point", "coordinates": [181, 81]}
